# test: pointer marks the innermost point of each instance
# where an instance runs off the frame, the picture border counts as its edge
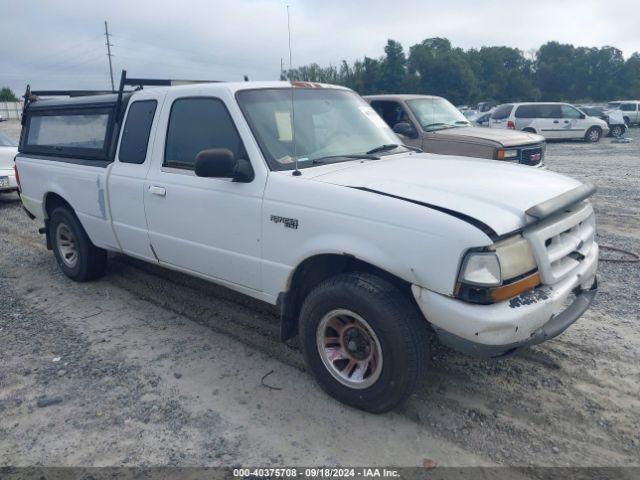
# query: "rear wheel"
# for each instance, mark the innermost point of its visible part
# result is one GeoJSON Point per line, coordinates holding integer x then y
{"type": "Point", "coordinates": [77, 257]}
{"type": "Point", "coordinates": [593, 135]}
{"type": "Point", "coordinates": [364, 341]}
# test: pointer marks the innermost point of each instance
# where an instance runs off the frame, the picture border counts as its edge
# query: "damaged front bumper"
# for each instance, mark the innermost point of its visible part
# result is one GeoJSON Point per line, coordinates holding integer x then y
{"type": "Point", "coordinates": [500, 329]}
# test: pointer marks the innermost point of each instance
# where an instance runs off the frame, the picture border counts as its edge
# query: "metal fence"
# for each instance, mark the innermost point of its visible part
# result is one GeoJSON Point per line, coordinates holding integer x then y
{"type": "Point", "coordinates": [11, 110]}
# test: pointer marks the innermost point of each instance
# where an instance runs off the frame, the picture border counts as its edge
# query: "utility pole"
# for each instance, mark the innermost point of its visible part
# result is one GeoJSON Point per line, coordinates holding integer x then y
{"type": "Point", "coordinates": [289, 29]}
{"type": "Point", "coordinates": [106, 34]}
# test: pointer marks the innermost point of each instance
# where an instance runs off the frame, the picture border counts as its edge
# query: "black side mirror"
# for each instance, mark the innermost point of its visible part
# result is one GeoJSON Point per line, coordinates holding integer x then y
{"type": "Point", "coordinates": [406, 129]}
{"type": "Point", "coordinates": [582, 116]}
{"type": "Point", "coordinates": [220, 163]}
{"type": "Point", "coordinates": [244, 171]}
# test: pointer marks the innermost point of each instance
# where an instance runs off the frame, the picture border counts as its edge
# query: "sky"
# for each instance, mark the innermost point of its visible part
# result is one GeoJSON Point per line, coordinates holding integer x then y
{"type": "Point", "coordinates": [61, 44]}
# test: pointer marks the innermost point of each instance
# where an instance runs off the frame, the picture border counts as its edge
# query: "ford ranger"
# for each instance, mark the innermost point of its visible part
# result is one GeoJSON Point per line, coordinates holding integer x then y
{"type": "Point", "coordinates": [300, 195]}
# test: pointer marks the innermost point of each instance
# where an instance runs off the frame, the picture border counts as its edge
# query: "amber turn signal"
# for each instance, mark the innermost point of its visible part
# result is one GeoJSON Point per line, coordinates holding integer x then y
{"type": "Point", "coordinates": [504, 292]}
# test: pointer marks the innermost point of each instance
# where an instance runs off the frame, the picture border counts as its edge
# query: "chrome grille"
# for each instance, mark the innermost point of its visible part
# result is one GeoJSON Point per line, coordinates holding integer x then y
{"type": "Point", "coordinates": [559, 244]}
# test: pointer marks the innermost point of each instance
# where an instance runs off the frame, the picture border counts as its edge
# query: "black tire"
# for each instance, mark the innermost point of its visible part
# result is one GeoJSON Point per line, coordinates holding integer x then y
{"type": "Point", "coordinates": [617, 130]}
{"type": "Point", "coordinates": [397, 323]}
{"type": "Point", "coordinates": [528, 130]}
{"type": "Point", "coordinates": [593, 135]}
{"type": "Point", "coordinates": [90, 261]}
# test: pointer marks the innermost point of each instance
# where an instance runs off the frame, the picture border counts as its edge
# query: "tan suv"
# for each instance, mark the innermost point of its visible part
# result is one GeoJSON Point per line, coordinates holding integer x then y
{"type": "Point", "coordinates": [435, 125]}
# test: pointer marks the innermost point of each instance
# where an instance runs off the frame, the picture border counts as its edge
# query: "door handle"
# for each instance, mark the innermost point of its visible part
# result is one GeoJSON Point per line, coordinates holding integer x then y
{"type": "Point", "coordinates": [556, 121]}
{"type": "Point", "coordinates": [155, 190]}
{"type": "Point", "coordinates": [566, 121]}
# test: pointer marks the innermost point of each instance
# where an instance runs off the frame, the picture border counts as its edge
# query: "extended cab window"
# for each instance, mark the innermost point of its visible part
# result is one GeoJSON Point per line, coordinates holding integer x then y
{"type": "Point", "coordinates": [135, 137]}
{"type": "Point", "coordinates": [197, 124]}
{"type": "Point", "coordinates": [74, 132]}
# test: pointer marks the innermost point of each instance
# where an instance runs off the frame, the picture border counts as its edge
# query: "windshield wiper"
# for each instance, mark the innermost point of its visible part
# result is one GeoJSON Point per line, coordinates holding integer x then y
{"type": "Point", "coordinates": [367, 156]}
{"type": "Point", "coordinates": [413, 149]}
{"type": "Point", "coordinates": [384, 148]}
{"type": "Point", "coordinates": [440, 126]}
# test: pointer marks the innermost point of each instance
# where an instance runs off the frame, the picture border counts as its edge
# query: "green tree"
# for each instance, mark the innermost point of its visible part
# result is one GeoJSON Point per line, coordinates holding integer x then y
{"type": "Point", "coordinates": [554, 71]}
{"type": "Point", "coordinates": [503, 74]}
{"type": "Point", "coordinates": [442, 70]}
{"type": "Point", "coordinates": [631, 76]}
{"type": "Point", "coordinates": [559, 72]}
{"type": "Point", "coordinates": [393, 69]}
{"type": "Point", "coordinates": [7, 95]}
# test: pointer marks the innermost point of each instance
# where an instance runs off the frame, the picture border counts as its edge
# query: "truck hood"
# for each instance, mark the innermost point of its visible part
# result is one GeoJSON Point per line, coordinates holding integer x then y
{"type": "Point", "coordinates": [480, 191]}
{"type": "Point", "coordinates": [507, 138]}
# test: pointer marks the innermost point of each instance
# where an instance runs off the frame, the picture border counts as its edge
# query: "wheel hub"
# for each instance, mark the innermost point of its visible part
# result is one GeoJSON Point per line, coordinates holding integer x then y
{"type": "Point", "coordinates": [356, 343]}
{"type": "Point", "coordinates": [349, 348]}
{"type": "Point", "coordinates": [66, 244]}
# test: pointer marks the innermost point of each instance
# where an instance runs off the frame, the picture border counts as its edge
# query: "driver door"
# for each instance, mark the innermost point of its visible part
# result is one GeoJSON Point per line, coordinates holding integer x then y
{"type": "Point", "coordinates": [206, 226]}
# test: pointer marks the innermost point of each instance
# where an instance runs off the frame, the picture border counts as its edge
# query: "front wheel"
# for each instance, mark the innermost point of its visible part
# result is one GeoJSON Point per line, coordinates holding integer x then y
{"type": "Point", "coordinates": [593, 135]}
{"type": "Point", "coordinates": [364, 341]}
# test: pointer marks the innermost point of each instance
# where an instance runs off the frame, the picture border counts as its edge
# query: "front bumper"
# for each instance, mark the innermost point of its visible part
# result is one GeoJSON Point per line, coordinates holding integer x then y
{"type": "Point", "coordinates": [502, 328]}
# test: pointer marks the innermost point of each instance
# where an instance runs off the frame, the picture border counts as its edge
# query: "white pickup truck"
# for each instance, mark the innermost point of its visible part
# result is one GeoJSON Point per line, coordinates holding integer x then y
{"type": "Point", "coordinates": [300, 195]}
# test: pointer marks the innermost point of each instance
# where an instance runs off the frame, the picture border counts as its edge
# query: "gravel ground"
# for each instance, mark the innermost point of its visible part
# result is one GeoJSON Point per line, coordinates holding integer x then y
{"type": "Point", "coordinates": [149, 367]}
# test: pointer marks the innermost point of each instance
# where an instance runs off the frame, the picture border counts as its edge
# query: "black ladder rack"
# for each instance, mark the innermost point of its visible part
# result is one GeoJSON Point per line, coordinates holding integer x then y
{"type": "Point", "coordinates": [137, 83]}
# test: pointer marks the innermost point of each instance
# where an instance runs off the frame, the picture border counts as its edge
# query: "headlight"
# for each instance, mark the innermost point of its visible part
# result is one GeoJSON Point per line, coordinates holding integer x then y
{"type": "Point", "coordinates": [515, 257]}
{"type": "Point", "coordinates": [508, 154]}
{"type": "Point", "coordinates": [501, 271]}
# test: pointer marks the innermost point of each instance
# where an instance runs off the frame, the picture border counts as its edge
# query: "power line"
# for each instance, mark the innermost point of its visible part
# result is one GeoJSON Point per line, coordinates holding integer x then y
{"type": "Point", "coordinates": [58, 53]}
{"type": "Point", "coordinates": [69, 61]}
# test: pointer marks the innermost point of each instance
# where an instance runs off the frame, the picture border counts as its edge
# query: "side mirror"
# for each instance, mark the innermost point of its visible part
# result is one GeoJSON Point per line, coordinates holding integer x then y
{"type": "Point", "coordinates": [220, 163]}
{"type": "Point", "coordinates": [406, 129]}
{"type": "Point", "coordinates": [582, 116]}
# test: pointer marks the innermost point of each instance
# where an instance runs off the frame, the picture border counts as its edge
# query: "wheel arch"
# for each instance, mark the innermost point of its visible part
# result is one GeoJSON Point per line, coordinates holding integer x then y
{"type": "Point", "coordinates": [314, 270]}
{"type": "Point", "coordinates": [50, 202]}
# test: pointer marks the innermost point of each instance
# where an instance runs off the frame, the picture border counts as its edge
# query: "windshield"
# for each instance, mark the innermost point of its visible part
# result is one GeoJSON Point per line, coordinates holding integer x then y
{"type": "Point", "coordinates": [330, 126]}
{"type": "Point", "coordinates": [436, 114]}
{"type": "Point", "coordinates": [6, 141]}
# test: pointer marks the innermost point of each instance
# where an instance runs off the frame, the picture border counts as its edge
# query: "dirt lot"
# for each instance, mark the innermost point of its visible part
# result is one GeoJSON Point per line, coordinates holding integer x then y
{"type": "Point", "coordinates": [150, 367]}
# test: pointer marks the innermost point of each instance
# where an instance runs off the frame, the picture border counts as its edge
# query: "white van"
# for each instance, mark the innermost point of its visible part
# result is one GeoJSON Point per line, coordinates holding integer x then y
{"type": "Point", "coordinates": [551, 120]}
{"type": "Point", "coordinates": [630, 111]}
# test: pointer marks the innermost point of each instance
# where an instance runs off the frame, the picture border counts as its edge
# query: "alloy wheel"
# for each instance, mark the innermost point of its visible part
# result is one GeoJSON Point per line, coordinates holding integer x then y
{"type": "Point", "coordinates": [349, 348]}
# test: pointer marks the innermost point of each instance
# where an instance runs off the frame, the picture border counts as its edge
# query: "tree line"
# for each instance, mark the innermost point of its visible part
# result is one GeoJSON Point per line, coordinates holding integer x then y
{"type": "Point", "coordinates": [556, 72]}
